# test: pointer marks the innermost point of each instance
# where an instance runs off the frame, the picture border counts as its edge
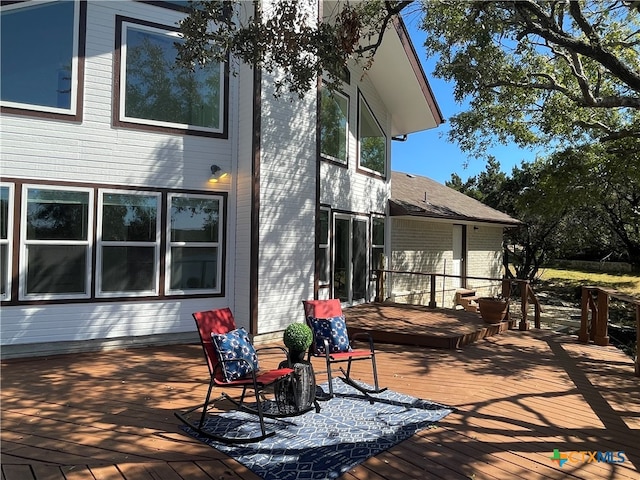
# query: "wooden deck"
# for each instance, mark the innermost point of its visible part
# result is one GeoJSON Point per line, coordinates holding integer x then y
{"type": "Point", "coordinates": [519, 396]}
{"type": "Point", "coordinates": [402, 324]}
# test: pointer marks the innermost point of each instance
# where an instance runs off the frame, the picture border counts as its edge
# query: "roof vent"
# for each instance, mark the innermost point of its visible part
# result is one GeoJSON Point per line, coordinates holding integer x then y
{"type": "Point", "coordinates": [411, 175]}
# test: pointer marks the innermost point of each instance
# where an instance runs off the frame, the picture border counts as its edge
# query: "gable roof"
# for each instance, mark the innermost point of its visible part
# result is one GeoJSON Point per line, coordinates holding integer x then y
{"type": "Point", "coordinates": [402, 84]}
{"type": "Point", "coordinates": [414, 195]}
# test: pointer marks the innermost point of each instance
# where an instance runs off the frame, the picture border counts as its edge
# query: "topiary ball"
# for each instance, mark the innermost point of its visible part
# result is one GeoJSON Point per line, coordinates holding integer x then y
{"type": "Point", "coordinates": [297, 337]}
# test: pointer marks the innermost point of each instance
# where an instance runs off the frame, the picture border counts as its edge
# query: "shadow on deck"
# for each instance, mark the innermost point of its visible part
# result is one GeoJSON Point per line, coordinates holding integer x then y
{"type": "Point", "coordinates": [403, 324]}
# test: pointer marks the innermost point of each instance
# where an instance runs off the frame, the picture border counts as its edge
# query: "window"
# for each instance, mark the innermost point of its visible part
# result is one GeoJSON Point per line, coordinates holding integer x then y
{"type": "Point", "coordinates": [40, 56]}
{"type": "Point", "coordinates": [194, 244]}
{"type": "Point", "coordinates": [128, 244]}
{"type": "Point", "coordinates": [145, 243]}
{"type": "Point", "coordinates": [373, 143]}
{"type": "Point", "coordinates": [377, 243]}
{"type": "Point", "coordinates": [56, 243]}
{"type": "Point", "coordinates": [6, 235]}
{"type": "Point", "coordinates": [323, 248]}
{"type": "Point", "coordinates": [334, 126]}
{"type": "Point", "coordinates": [155, 92]}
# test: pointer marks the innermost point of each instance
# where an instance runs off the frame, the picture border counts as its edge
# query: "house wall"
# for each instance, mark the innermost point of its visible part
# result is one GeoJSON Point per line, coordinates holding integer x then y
{"type": "Point", "coordinates": [92, 152]}
{"type": "Point", "coordinates": [419, 245]}
{"type": "Point", "coordinates": [271, 196]}
{"type": "Point", "coordinates": [287, 208]}
{"type": "Point", "coordinates": [343, 187]}
{"type": "Point", "coordinates": [484, 258]}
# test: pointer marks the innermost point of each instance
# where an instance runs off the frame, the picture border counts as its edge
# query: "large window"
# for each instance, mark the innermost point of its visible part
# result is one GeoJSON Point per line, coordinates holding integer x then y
{"type": "Point", "coordinates": [56, 243]}
{"type": "Point", "coordinates": [145, 243]}
{"type": "Point", "coordinates": [40, 51]}
{"type": "Point", "coordinates": [194, 244]}
{"type": "Point", "coordinates": [334, 126]}
{"type": "Point", "coordinates": [155, 92]}
{"type": "Point", "coordinates": [128, 244]}
{"type": "Point", "coordinates": [6, 235]}
{"type": "Point", "coordinates": [372, 141]}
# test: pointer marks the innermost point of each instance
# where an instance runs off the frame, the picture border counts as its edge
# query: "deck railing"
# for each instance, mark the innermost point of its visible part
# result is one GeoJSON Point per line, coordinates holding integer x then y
{"type": "Point", "coordinates": [594, 321]}
{"type": "Point", "coordinates": [508, 286]}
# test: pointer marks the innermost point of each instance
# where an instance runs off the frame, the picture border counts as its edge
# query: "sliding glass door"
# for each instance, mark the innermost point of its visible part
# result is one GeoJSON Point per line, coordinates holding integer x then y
{"type": "Point", "coordinates": [350, 269]}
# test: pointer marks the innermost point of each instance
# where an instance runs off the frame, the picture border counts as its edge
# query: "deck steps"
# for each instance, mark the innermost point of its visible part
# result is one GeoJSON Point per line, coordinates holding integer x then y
{"type": "Point", "coordinates": [467, 299]}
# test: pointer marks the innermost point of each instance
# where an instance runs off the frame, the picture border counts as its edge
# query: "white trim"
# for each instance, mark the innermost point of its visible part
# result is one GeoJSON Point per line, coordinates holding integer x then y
{"type": "Point", "coordinates": [9, 240]}
{"type": "Point", "coordinates": [363, 101]}
{"type": "Point", "coordinates": [347, 131]}
{"type": "Point", "coordinates": [325, 247]}
{"type": "Point", "coordinates": [218, 244]}
{"type": "Point", "coordinates": [102, 243]}
{"type": "Point", "coordinates": [72, 110]}
{"type": "Point", "coordinates": [125, 26]}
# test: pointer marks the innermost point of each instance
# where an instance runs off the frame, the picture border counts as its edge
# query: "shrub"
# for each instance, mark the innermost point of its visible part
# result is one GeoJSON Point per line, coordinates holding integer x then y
{"type": "Point", "coordinates": [297, 337]}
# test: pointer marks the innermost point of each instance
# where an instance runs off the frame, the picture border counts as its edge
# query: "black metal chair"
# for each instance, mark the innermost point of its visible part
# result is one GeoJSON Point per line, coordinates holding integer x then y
{"type": "Point", "coordinates": [234, 368]}
{"type": "Point", "coordinates": [331, 341]}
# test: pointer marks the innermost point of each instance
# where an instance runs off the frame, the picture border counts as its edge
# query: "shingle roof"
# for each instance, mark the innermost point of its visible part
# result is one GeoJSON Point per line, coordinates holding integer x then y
{"type": "Point", "coordinates": [415, 195]}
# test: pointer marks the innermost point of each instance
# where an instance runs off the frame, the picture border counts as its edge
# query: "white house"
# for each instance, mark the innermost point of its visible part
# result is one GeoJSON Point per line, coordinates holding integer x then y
{"type": "Point", "coordinates": [112, 234]}
{"type": "Point", "coordinates": [435, 229]}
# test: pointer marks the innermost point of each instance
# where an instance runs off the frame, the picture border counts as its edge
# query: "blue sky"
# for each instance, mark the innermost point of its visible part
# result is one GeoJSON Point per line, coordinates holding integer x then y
{"type": "Point", "coordinates": [428, 153]}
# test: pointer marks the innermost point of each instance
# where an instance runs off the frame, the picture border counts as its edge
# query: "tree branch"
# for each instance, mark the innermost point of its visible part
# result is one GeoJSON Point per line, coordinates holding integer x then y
{"type": "Point", "coordinates": [550, 31]}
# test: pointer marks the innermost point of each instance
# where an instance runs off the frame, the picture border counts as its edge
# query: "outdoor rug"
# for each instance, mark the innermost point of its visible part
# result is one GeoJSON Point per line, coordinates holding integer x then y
{"type": "Point", "coordinates": [347, 431]}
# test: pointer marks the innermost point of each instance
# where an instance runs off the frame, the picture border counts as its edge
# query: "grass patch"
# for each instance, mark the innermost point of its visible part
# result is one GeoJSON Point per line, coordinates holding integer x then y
{"type": "Point", "coordinates": [623, 282]}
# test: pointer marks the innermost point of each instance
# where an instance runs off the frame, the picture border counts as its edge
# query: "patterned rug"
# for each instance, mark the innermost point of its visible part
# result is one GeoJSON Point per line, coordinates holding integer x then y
{"type": "Point", "coordinates": [347, 431]}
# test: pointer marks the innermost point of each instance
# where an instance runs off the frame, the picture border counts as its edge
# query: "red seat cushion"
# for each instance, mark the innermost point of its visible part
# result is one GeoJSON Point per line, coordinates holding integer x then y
{"type": "Point", "coordinates": [263, 378]}
{"type": "Point", "coordinates": [352, 354]}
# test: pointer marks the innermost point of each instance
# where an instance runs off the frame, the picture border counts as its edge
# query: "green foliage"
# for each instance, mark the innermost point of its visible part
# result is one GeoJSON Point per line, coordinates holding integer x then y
{"type": "Point", "coordinates": [287, 38]}
{"type": "Point", "coordinates": [579, 203]}
{"type": "Point", "coordinates": [297, 337]}
{"type": "Point", "coordinates": [537, 72]}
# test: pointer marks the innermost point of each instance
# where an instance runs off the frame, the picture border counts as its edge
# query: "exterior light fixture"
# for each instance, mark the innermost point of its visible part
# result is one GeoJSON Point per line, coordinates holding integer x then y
{"type": "Point", "coordinates": [216, 174]}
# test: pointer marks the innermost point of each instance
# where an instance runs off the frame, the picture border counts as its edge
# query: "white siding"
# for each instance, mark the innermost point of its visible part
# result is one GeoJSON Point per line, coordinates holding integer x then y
{"type": "Point", "coordinates": [484, 257]}
{"type": "Point", "coordinates": [94, 152]}
{"type": "Point", "coordinates": [419, 245]}
{"type": "Point", "coordinates": [244, 183]}
{"type": "Point", "coordinates": [344, 188]}
{"type": "Point", "coordinates": [287, 208]}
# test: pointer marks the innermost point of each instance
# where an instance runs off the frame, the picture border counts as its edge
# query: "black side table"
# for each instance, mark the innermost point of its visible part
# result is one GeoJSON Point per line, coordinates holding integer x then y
{"type": "Point", "coordinates": [296, 394]}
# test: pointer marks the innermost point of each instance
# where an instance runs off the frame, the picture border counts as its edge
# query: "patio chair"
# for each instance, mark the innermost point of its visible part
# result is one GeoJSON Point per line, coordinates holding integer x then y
{"type": "Point", "coordinates": [331, 341]}
{"type": "Point", "coordinates": [233, 363]}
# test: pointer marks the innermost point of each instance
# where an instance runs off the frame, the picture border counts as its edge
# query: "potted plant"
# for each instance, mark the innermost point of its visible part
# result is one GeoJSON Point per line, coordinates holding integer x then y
{"type": "Point", "coordinates": [297, 337]}
{"type": "Point", "coordinates": [297, 393]}
{"type": "Point", "coordinates": [493, 309]}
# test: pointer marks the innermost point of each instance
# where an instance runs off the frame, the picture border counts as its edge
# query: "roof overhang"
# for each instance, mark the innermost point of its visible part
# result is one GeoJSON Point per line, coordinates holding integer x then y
{"type": "Point", "coordinates": [398, 77]}
{"type": "Point", "coordinates": [440, 214]}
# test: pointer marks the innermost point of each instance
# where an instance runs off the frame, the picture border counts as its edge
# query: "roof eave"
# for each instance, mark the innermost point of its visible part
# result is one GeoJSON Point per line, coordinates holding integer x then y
{"type": "Point", "coordinates": [402, 84]}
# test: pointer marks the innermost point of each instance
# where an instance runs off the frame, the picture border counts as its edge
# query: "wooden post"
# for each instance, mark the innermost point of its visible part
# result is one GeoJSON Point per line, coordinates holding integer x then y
{"type": "Point", "coordinates": [432, 300]}
{"type": "Point", "coordinates": [536, 304]}
{"type": "Point", "coordinates": [524, 305]}
{"type": "Point", "coordinates": [506, 288]}
{"type": "Point", "coordinates": [378, 285]}
{"type": "Point", "coordinates": [602, 337]}
{"type": "Point", "coordinates": [638, 340]}
{"type": "Point", "coordinates": [583, 336]}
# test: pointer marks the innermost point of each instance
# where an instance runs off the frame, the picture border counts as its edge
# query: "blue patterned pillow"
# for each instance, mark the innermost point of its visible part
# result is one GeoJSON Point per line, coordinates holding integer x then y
{"type": "Point", "coordinates": [333, 329]}
{"type": "Point", "coordinates": [231, 346]}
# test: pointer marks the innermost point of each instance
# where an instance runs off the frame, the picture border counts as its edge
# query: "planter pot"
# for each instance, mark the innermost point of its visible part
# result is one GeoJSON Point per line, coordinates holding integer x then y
{"type": "Point", "coordinates": [493, 310]}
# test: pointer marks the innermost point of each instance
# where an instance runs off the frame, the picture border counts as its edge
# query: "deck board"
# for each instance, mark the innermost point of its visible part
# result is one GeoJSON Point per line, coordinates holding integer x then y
{"type": "Point", "coordinates": [519, 395]}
